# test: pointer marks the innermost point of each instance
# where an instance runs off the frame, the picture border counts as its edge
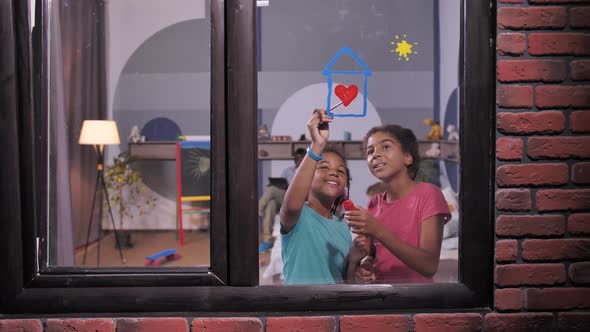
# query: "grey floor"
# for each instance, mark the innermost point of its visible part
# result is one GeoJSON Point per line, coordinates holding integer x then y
{"type": "Point", "coordinates": [196, 252]}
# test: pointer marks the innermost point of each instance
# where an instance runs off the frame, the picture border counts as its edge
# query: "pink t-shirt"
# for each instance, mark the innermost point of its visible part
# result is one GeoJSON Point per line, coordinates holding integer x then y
{"type": "Point", "coordinates": [403, 218]}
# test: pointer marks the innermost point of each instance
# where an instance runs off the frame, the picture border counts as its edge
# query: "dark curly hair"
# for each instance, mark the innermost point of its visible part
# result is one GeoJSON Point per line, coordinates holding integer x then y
{"type": "Point", "coordinates": [406, 139]}
{"type": "Point", "coordinates": [341, 198]}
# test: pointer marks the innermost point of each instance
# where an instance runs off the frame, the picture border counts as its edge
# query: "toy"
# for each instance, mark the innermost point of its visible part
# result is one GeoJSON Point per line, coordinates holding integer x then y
{"type": "Point", "coordinates": [135, 136]}
{"type": "Point", "coordinates": [435, 132]}
{"type": "Point", "coordinates": [434, 151]}
{"type": "Point", "coordinates": [161, 257]}
{"type": "Point", "coordinates": [453, 133]}
{"type": "Point", "coordinates": [263, 133]}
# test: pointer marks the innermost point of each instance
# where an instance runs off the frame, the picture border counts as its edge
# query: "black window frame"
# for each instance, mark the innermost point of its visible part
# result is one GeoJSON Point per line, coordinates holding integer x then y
{"type": "Point", "coordinates": [26, 286]}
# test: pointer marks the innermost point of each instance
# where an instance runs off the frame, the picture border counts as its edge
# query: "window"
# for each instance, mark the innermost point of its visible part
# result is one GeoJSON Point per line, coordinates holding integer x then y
{"type": "Point", "coordinates": [403, 61]}
{"type": "Point", "coordinates": [31, 285]}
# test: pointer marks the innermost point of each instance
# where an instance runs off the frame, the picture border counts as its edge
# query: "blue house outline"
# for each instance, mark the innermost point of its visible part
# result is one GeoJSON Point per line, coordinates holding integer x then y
{"type": "Point", "coordinates": [328, 73]}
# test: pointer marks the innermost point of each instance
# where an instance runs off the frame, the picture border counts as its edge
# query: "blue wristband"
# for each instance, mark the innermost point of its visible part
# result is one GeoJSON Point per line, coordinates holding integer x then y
{"type": "Point", "coordinates": [313, 155]}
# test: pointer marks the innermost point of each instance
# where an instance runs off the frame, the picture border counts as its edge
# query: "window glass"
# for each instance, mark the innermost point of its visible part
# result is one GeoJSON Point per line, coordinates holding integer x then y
{"type": "Point", "coordinates": [388, 62]}
{"type": "Point", "coordinates": [142, 68]}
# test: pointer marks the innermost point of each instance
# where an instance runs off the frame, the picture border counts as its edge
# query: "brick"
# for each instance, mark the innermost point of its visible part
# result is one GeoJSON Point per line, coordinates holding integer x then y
{"type": "Point", "coordinates": [531, 17]}
{"type": "Point", "coordinates": [152, 324]}
{"type": "Point", "coordinates": [544, 2]}
{"type": "Point", "coordinates": [532, 175]}
{"type": "Point", "coordinates": [556, 298]}
{"type": "Point", "coordinates": [546, 122]}
{"type": "Point", "coordinates": [508, 299]}
{"type": "Point", "coordinates": [77, 324]}
{"type": "Point", "coordinates": [371, 323]}
{"type": "Point", "coordinates": [319, 324]}
{"type": "Point", "coordinates": [511, 43]}
{"type": "Point", "coordinates": [559, 43]}
{"type": "Point", "coordinates": [579, 223]}
{"type": "Point", "coordinates": [530, 71]}
{"type": "Point", "coordinates": [529, 274]}
{"type": "Point", "coordinates": [579, 17]}
{"type": "Point", "coordinates": [447, 322]}
{"type": "Point", "coordinates": [513, 199]}
{"type": "Point", "coordinates": [581, 173]}
{"type": "Point", "coordinates": [562, 96]}
{"type": "Point", "coordinates": [558, 147]}
{"type": "Point", "coordinates": [580, 121]}
{"type": "Point", "coordinates": [563, 199]}
{"type": "Point", "coordinates": [20, 325]}
{"type": "Point", "coordinates": [240, 324]}
{"type": "Point", "coordinates": [533, 322]}
{"type": "Point", "coordinates": [579, 273]}
{"type": "Point", "coordinates": [580, 69]}
{"type": "Point", "coordinates": [530, 225]}
{"type": "Point", "coordinates": [573, 321]}
{"type": "Point", "coordinates": [514, 96]}
{"type": "Point", "coordinates": [506, 250]}
{"type": "Point", "coordinates": [509, 148]}
{"type": "Point", "coordinates": [556, 249]}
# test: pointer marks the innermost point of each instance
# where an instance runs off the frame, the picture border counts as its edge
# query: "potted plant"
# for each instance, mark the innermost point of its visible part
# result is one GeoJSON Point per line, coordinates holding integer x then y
{"type": "Point", "coordinates": [127, 193]}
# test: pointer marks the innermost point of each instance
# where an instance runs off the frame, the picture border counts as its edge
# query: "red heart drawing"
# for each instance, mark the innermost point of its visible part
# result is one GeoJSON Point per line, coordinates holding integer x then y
{"type": "Point", "coordinates": [346, 94]}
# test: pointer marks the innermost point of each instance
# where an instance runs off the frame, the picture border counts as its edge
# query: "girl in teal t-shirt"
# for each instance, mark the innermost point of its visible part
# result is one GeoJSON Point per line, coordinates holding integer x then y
{"type": "Point", "coordinates": [315, 243]}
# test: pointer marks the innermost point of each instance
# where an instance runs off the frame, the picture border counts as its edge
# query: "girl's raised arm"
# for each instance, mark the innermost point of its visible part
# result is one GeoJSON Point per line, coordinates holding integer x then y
{"type": "Point", "coordinates": [318, 128]}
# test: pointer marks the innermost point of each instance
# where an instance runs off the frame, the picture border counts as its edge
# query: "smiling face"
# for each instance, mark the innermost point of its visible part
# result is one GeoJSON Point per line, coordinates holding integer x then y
{"type": "Point", "coordinates": [385, 157]}
{"type": "Point", "coordinates": [330, 177]}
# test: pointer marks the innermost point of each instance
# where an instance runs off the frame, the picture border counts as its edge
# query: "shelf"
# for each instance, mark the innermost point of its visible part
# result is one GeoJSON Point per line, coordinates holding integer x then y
{"type": "Point", "coordinates": [353, 150]}
{"type": "Point", "coordinates": [271, 150]}
{"type": "Point", "coordinates": [160, 150]}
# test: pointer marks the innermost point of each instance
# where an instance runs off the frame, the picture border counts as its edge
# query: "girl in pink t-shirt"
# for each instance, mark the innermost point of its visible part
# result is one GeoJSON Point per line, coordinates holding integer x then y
{"type": "Point", "coordinates": [406, 221]}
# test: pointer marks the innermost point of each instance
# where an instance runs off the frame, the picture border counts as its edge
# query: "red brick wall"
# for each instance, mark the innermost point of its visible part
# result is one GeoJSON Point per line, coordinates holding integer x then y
{"type": "Point", "coordinates": [542, 258]}
{"type": "Point", "coordinates": [542, 272]}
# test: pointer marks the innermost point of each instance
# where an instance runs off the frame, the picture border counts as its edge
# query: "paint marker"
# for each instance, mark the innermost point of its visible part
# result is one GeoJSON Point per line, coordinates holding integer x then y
{"type": "Point", "coordinates": [348, 205]}
{"type": "Point", "coordinates": [333, 107]}
{"type": "Point", "coordinates": [367, 261]}
{"type": "Point", "coordinates": [324, 125]}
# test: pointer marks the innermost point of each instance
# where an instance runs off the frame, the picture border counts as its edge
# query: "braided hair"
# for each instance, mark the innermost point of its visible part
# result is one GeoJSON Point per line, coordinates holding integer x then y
{"type": "Point", "coordinates": [338, 202]}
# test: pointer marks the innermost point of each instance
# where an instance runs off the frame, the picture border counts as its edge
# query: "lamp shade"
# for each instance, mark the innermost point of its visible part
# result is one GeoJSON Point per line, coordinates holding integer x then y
{"type": "Point", "coordinates": [99, 132]}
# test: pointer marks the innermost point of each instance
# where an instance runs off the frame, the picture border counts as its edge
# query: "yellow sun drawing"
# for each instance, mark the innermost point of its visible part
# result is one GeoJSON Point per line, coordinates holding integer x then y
{"type": "Point", "coordinates": [403, 48]}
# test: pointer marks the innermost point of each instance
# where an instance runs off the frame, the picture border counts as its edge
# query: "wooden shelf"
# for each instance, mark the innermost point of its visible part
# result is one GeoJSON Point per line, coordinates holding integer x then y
{"type": "Point", "coordinates": [270, 150]}
{"type": "Point", "coordinates": [353, 150]}
{"type": "Point", "coordinates": [155, 150]}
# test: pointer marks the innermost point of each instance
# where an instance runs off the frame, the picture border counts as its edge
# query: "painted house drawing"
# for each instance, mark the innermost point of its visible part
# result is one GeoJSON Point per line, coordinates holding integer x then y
{"type": "Point", "coordinates": [330, 73]}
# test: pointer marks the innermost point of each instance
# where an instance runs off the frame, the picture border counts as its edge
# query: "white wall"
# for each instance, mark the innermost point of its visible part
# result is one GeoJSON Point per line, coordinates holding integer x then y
{"type": "Point", "coordinates": [130, 23]}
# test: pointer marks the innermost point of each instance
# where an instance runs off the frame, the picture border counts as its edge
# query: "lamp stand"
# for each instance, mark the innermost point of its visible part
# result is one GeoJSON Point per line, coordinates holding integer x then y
{"type": "Point", "coordinates": [101, 183]}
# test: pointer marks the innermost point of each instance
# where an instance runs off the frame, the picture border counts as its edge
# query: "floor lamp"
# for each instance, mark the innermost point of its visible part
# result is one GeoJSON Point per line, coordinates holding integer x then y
{"type": "Point", "coordinates": [99, 133]}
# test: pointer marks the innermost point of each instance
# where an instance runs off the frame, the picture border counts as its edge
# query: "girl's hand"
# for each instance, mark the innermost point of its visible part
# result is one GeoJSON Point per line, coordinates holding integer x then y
{"type": "Point", "coordinates": [363, 275]}
{"type": "Point", "coordinates": [362, 222]}
{"type": "Point", "coordinates": [359, 249]}
{"type": "Point", "coordinates": [319, 129]}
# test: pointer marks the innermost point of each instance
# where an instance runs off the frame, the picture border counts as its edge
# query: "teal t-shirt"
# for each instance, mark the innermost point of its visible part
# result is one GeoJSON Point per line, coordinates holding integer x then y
{"type": "Point", "coordinates": [315, 250]}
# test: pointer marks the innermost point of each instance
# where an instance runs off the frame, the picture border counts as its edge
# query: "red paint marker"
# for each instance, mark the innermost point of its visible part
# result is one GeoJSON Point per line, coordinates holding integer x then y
{"type": "Point", "coordinates": [348, 205]}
